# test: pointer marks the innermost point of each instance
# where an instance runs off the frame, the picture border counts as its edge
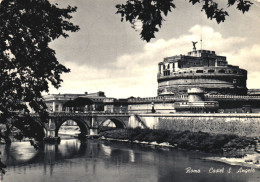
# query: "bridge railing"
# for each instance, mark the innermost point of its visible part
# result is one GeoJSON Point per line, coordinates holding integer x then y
{"type": "Point", "coordinates": [84, 113]}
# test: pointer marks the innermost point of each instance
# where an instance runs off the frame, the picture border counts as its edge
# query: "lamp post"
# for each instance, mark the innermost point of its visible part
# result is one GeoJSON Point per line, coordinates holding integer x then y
{"type": "Point", "coordinates": [153, 110]}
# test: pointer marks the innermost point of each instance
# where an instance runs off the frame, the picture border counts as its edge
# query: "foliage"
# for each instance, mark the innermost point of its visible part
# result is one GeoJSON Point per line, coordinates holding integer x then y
{"type": "Point", "coordinates": [150, 12]}
{"type": "Point", "coordinates": [118, 134]}
{"type": "Point", "coordinates": [27, 63]}
{"type": "Point", "coordinates": [184, 139]}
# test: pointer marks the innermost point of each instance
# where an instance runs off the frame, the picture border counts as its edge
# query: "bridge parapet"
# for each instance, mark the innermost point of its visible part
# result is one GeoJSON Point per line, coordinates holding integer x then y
{"type": "Point", "coordinates": [71, 114]}
{"type": "Point", "coordinates": [87, 114]}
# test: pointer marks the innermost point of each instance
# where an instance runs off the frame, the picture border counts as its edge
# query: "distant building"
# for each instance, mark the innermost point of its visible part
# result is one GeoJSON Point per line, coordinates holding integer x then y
{"type": "Point", "coordinates": [58, 102]}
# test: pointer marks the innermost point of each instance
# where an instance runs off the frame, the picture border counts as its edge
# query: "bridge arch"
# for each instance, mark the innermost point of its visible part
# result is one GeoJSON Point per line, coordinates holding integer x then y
{"type": "Point", "coordinates": [118, 123]}
{"type": "Point", "coordinates": [38, 128]}
{"type": "Point", "coordinates": [83, 126]}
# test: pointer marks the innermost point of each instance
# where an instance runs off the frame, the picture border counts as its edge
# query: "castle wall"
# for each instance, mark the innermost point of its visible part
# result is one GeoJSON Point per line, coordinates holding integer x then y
{"type": "Point", "coordinates": [212, 83]}
{"type": "Point", "coordinates": [147, 108]}
{"type": "Point", "coordinates": [238, 124]}
{"type": "Point", "coordinates": [115, 108]}
{"type": "Point", "coordinates": [197, 82]}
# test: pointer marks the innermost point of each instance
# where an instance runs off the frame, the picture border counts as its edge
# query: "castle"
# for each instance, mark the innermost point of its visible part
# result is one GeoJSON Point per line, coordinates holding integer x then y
{"type": "Point", "coordinates": [202, 69]}
{"type": "Point", "coordinates": [200, 81]}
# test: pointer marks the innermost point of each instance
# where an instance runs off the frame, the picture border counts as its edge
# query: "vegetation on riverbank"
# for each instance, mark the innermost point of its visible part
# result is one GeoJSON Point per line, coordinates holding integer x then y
{"type": "Point", "coordinates": [216, 143]}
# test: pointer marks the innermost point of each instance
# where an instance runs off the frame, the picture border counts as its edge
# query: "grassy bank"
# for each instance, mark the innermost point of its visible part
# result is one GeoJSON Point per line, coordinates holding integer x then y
{"type": "Point", "coordinates": [186, 140]}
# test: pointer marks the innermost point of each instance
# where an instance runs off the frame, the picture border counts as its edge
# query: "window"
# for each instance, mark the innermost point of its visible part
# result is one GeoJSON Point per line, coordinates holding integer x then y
{"type": "Point", "coordinates": [166, 73]}
{"type": "Point", "coordinates": [199, 71]}
{"type": "Point", "coordinates": [221, 71]}
{"type": "Point", "coordinates": [211, 71]}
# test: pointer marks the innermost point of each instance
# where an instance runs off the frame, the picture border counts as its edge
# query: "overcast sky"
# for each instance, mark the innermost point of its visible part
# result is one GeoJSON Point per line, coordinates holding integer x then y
{"type": "Point", "coordinates": [108, 55]}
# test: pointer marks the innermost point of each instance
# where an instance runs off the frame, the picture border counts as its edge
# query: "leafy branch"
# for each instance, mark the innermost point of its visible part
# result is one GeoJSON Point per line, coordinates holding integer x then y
{"type": "Point", "coordinates": [150, 12]}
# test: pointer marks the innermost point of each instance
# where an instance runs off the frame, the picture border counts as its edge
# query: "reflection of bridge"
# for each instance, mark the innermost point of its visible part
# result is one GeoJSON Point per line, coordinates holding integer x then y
{"type": "Point", "coordinates": [69, 154]}
{"type": "Point", "coordinates": [89, 123]}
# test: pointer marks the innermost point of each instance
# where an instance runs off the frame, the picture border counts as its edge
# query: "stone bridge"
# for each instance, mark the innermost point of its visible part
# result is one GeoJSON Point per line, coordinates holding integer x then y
{"type": "Point", "coordinates": [89, 123]}
{"type": "Point", "coordinates": [242, 124]}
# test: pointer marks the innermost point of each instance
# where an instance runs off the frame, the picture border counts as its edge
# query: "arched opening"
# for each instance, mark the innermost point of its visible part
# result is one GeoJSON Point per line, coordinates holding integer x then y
{"type": "Point", "coordinates": [28, 128]}
{"type": "Point", "coordinates": [68, 128]}
{"type": "Point", "coordinates": [71, 128]}
{"type": "Point", "coordinates": [111, 124]}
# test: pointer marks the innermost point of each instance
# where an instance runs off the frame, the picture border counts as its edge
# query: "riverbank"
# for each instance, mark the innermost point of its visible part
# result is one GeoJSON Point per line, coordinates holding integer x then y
{"type": "Point", "coordinates": [248, 160]}
{"type": "Point", "coordinates": [233, 149]}
{"type": "Point", "coordinates": [230, 145]}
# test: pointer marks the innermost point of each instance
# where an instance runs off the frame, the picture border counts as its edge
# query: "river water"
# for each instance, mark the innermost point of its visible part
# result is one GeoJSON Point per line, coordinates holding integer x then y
{"type": "Point", "coordinates": [103, 161]}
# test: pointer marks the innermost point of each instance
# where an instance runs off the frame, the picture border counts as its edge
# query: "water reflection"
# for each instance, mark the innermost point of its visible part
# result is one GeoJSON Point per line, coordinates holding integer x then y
{"type": "Point", "coordinates": [73, 160]}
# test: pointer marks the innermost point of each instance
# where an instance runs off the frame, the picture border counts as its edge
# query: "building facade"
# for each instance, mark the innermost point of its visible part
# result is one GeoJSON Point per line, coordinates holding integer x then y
{"type": "Point", "coordinates": [58, 102]}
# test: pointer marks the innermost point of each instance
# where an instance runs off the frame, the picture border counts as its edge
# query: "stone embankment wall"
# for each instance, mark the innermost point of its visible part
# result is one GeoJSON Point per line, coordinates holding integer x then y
{"type": "Point", "coordinates": [246, 124]}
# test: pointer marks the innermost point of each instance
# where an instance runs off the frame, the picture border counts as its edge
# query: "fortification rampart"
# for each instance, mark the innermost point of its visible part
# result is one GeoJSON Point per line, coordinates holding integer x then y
{"type": "Point", "coordinates": [247, 124]}
{"type": "Point", "coordinates": [158, 99]}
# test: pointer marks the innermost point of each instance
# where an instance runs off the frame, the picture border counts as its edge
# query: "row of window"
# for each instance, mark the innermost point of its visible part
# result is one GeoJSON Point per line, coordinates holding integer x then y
{"type": "Point", "coordinates": [219, 71]}
{"type": "Point", "coordinates": [166, 73]}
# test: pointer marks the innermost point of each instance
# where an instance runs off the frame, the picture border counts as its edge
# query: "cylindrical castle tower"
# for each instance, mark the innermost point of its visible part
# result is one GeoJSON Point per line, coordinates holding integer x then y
{"type": "Point", "coordinates": [203, 69]}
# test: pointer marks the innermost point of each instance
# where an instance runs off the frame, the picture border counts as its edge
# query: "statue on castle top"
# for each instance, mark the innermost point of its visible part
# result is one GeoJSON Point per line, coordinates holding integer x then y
{"type": "Point", "coordinates": [194, 45]}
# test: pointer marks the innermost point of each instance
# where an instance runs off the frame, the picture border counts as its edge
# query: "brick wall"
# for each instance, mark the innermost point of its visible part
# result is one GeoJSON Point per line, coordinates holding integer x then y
{"type": "Point", "coordinates": [239, 124]}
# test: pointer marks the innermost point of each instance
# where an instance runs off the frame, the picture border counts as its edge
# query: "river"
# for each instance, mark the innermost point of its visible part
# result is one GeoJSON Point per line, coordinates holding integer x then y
{"type": "Point", "coordinates": [103, 161]}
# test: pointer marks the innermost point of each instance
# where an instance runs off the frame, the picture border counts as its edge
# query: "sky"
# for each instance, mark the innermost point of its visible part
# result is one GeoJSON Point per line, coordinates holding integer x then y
{"type": "Point", "coordinates": [108, 55]}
